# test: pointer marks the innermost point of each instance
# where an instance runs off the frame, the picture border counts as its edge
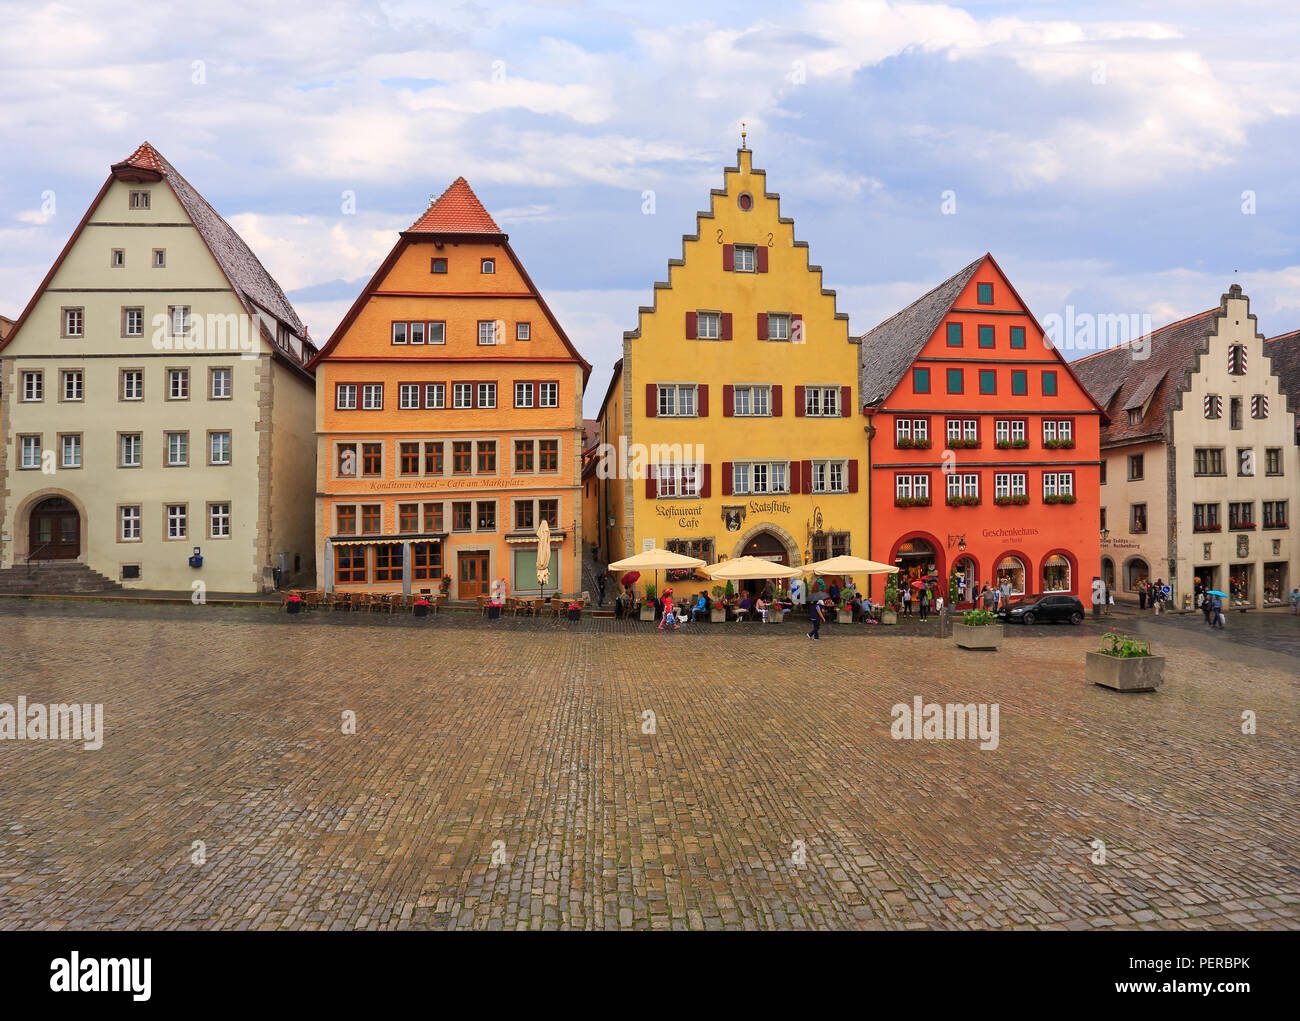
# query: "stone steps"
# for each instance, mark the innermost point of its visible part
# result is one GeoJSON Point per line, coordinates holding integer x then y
{"type": "Point", "coordinates": [58, 577]}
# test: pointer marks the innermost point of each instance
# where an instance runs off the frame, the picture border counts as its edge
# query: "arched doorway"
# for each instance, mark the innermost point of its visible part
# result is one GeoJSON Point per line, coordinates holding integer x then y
{"type": "Point", "coordinates": [915, 559]}
{"type": "Point", "coordinates": [1108, 572]}
{"type": "Point", "coordinates": [54, 530]}
{"type": "Point", "coordinates": [1136, 571]}
{"type": "Point", "coordinates": [765, 546]}
{"type": "Point", "coordinates": [1057, 576]}
{"type": "Point", "coordinates": [968, 579]}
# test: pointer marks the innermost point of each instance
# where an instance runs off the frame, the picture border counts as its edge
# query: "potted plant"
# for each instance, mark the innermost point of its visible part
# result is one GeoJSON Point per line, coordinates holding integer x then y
{"type": "Point", "coordinates": [1125, 663]}
{"type": "Point", "coordinates": [954, 589]}
{"type": "Point", "coordinates": [494, 610]}
{"type": "Point", "coordinates": [575, 611]}
{"type": "Point", "coordinates": [979, 629]}
{"type": "Point", "coordinates": [421, 607]}
{"type": "Point", "coordinates": [446, 586]}
{"type": "Point", "coordinates": [889, 612]}
{"type": "Point", "coordinates": [650, 608]}
{"type": "Point", "coordinates": [293, 604]}
{"type": "Point", "coordinates": [718, 612]}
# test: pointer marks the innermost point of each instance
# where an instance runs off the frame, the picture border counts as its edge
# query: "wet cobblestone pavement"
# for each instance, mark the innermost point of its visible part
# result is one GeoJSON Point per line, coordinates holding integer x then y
{"type": "Point", "coordinates": [499, 778]}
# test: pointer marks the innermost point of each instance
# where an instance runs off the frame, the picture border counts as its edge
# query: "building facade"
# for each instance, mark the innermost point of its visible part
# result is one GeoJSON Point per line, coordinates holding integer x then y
{"type": "Point", "coordinates": [1201, 459]}
{"type": "Point", "coordinates": [449, 420]}
{"type": "Point", "coordinates": [734, 426]}
{"type": "Point", "coordinates": [155, 400]}
{"type": "Point", "coordinates": [984, 445]}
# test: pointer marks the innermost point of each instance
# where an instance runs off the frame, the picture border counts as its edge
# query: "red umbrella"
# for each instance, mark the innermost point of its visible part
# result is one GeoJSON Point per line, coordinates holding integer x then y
{"type": "Point", "coordinates": [630, 577]}
{"type": "Point", "coordinates": [918, 584]}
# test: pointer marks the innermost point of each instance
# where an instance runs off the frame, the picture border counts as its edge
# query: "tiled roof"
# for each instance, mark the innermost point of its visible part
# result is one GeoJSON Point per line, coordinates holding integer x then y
{"type": "Point", "coordinates": [456, 211]}
{"type": "Point", "coordinates": [236, 259]}
{"type": "Point", "coordinates": [889, 350]}
{"type": "Point", "coordinates": [1171, 353]}
{"type": "Point", "coordinates": [1284, 353]}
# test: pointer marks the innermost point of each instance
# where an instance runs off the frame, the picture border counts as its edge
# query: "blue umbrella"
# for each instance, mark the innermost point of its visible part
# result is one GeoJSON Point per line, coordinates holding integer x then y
{"type": "Point", "coordinates": [1216, 592]}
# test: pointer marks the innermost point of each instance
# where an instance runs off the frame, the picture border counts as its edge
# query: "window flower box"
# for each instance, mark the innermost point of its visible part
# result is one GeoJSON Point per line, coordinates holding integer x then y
{"type": "Point", "coordinates": [1207, 528]}
{"type": "Point", "coordinates": [1058, 444]}
{"type": "Point", "coordinates": [1276, 524]}
{"type": "Point", "coordinates": [911, 443]}
{"type": "Point", "coordinates": [964, 501]}
{"type": "Point", "coordinates": [1018, 500]}
{"type": "Point", "coordinates": [911, 501]}
{"type": "Point", "coordinates": [1060, 498]}
{"type": "Point", "coordinates": [963, 444]}
{"type": "Point", "coordinates": [1012, 444]}
{"type": "Point", "coordinates": [1242, 526]}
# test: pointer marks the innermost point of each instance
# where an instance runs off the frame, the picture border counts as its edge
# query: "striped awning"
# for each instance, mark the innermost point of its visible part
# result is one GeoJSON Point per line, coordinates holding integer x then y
{"type": "Point", "coordinates": [387, 540]}
{"type": "Point", "coordinates": [530, 538]}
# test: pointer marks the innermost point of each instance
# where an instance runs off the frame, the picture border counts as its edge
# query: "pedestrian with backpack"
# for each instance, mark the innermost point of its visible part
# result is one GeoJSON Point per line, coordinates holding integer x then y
{"type": "Point", "coordinates": [815, 616]}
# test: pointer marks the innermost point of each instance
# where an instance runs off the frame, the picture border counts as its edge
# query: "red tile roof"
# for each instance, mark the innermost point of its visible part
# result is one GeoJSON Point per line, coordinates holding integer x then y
{"type": "Point", "coordinates": [456, 211]}
{"type": "Point", "coordinates": [1284, 355]}
{"type": "Point", "coordinates": [147, 158]}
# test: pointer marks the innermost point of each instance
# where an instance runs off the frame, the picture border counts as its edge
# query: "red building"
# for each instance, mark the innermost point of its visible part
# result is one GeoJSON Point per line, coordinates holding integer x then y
{"type": "Point", "coordinates": [984, 446]}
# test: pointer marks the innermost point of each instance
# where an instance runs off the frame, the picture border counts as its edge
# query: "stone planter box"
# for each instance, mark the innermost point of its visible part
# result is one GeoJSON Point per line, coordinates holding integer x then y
{"type": "Point", "coordinates": [986, 636]}
{"type": "Point", "coordinates": [888, 617]}
{"type": "Point", "coordinates": [843, 616]}
{"type": "Point", "coordinates": [776, 615]}
{"type": "Point", "coordinates": [718, 614]}
{"type": "Point", "coordinates": [648, 611]}
{"type": "Point", "coordinates": [1137, 673]}
{"type": "Point", "coordinates": [493, 612]}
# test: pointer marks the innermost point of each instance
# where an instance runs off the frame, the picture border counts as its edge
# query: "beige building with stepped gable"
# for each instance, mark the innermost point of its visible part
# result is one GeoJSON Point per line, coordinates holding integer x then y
{"type": "Point", "coordinates": [155, 398]}
{"type": "Point", "coordinates": [1201, 462]}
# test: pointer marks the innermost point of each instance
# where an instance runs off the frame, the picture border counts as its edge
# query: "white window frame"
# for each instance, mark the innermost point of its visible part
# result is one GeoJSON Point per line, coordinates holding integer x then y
{"type": "Point", "coordinates": [672, 397]}
{"type": "Point", "coordinates": [435, 396]}
{"type": "Point", "coordinates": [708, 325]}
{"type": "Point", "coordinates": [77, 378]}
{"type": "Point", "coordinates": [548, 395]}
{"type": "Point", "coordinates": [462, 395]}
{"type": "Point", "coordinates": [33, 387]}
{"type": "Point", "coordinates": [820, 406]}
{"type": "Point", "coordinates": [750, 254]}
{"type": "Point", "coordinates": [778, 326]}
{"type": "Point", "coordinates": [212, 447]}
{"type": "Point", "coordinates": [345, 396]}
{"type": "Point", "coordinates": [29, 451]}
{"type": "Point", "coordinates": [173, 447]}
{"type": "Point", "coordinates": [136, 448]}
{"type": "Point", "coordinates": [70, 443]}
{"type": "Point", "coordinates": [408, 396]}
{"type": "Point", "coordinates": [219, 518]}
{"type": "Point", "coordinates": [223, 374]}
{"type": "Point", "coordinates": [524, 394]}
{"type": "Point", "coordinates": [178, 384]}
{"type": "Point", "coordinates": [178, 521]}
{"type": "Point", "coordinates": [487, 395]}
{"type": "Point", "coordinates": [372, 396]}
{"type": "Point", "coordinates": [1058, 484]}
{"type": "Point", "coordinates": [128, 523]}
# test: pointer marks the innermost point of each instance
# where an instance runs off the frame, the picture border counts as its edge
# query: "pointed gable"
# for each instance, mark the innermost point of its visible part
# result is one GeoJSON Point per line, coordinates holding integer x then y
{"type": "Point", "coordinates": [456, 211]}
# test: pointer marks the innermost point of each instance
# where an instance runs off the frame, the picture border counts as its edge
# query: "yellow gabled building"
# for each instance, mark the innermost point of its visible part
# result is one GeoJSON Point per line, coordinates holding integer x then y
{"type": "Point", "coordinates": [734, 427]}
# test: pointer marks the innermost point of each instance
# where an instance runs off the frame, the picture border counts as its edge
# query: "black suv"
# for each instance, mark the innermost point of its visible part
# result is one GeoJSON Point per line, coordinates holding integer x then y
{"type": "Point", "coordinates": [1038, 609]}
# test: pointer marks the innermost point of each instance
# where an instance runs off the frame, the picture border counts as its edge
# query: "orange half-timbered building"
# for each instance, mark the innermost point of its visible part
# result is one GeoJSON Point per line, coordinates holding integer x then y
{"type": "Point", "coordinates": [449, 418]}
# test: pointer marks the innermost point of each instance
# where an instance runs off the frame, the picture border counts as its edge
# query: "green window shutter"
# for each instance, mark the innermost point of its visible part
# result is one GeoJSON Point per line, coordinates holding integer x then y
{"type": "Point", "coordinates": [1049, 383]}
{"type": "Point", "coordinates": [1017, 336]}
{"type": "Point", "coordinates": [954, 381]}
{"type": "Point", "coordinates": [1019, 382]}
{"type": "Point", "coordinates": [921, 381]}
{"type": "Point", "coordinates": [988, 381]}
{"type": "Point", "coordinates": [954, 334]}
{"type": "Point", "coordinates": [985, 294]}
{"type": "Point", "coordinates": [986, 336]}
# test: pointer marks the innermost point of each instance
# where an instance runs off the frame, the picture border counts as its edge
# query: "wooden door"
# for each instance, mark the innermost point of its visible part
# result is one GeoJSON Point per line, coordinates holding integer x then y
{"type": "Point", "coordinates": [55, 530]}
{"type": "Point", "coordinates": [473, 575]}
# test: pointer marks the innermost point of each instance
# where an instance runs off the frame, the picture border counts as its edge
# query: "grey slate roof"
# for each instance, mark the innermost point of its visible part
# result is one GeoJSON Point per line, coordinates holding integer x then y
{"type": "Point", "coordinates": [889, 350]}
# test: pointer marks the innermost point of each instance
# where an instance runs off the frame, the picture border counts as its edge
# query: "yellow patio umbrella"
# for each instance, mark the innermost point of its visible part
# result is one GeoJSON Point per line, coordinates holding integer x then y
{"type": "Point", "coordinates": [848, 565]}
{"type": "Point", "coordinates": [750, 569]}
{"type": "Point", "coordinates": [656, 560]}
{"type": "Point", "coordinates": [543, 556]}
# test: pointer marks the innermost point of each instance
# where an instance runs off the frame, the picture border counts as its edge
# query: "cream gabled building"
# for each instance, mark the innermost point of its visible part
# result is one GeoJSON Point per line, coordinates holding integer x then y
{"type": "Point", "coordinates": [154, 397]}
{"type": "Point", "coordinates": [1201, 463]}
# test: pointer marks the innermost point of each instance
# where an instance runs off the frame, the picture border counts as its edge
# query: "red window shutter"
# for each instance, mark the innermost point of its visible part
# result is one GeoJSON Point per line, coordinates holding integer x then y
{"type": "Point", "coordinates": [728, 400]}
{"type": "Point", "coordinates": [762, 326]}
{"type": "Point", "coordinates": [728, 258]}
{"type": "Point", "coordinates": [691, 332]}
{"type": "Point", "coordinates": [807, 476]}
{"type": "Point", "coordinates": [702, 403]}
{"type": "Point", "coordinates": [705, 479]}
{"type": "Point", "coordinates": [651, 400]}
{"type": "Point", "coordinates": [853, 475]}
{"type": "Point", "coordinates": [726, 478]}
{"type": "Point", "coordinates": [846, 401]}
{"type": "Point", "coordinates": [651, 489]}
{"type": "Point", "coordinates": [795, 489]}
{"type": "Point", "coordinates": [799, 405]}
{"type": "Point", "coordinates": [761, 262]}
{"type": "Point", "coordinates": [776, 401]}
{"type": "Point", "coordinates": [796, 326]}
{"type": "Point", "coordinates": [726, 325]}
{"type": "Point", "coordinates": [473, 395]}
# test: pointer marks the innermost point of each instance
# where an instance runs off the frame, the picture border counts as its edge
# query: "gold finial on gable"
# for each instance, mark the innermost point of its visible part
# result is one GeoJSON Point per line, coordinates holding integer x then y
{"type": "Point", "coordinates": [742, 134]}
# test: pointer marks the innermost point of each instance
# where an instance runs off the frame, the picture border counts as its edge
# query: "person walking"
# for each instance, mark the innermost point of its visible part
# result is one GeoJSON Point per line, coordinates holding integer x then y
{"type": "Point", "coordinates": [1109, 605]}
{"type": "Point", "coordinates": [815, 617]}
{"type": "Point", "coordinates": [1218, 613]}
{"type": "Point", "coordinates": [1158, 594]}
{"type": "Point", "coordinates": [669, 616]}
{"type": "Point", "coordinates": [1142, 595]}
{"type": "Point", "coordinates": [1207, 608]}
{"type": "Point", "coordinates": [1295, 600]}
{"type": "Point", "coordinates": [600, 588]}
{"type": "Point", "coordinates": [907, 600]}
{"type": "Point", "coordinates": [923, 602]}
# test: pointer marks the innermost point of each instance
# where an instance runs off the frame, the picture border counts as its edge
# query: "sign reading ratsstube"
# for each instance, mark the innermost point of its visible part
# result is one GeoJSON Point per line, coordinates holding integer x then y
{"type": "Point", "coordinates": [60, 721]}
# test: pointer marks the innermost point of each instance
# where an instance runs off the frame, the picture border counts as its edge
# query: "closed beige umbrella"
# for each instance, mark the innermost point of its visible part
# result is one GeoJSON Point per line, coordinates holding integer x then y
{"type": "Point", "coordinates": [750, 569]}
{"type": "Point", "coordinates": [543, 556]}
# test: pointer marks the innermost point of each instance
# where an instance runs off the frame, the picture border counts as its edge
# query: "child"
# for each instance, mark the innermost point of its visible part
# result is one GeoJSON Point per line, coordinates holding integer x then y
{"type": "Point", "coordinates": [669, 616]}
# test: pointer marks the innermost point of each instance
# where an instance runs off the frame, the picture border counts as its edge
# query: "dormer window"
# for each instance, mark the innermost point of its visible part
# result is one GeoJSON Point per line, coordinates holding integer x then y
{"type": "Point", "coordinates": [139, 200]}
{"type": "Point", "coordinates": [488, 266]}
{"type": "Point", "coordinates": [1135, 417]}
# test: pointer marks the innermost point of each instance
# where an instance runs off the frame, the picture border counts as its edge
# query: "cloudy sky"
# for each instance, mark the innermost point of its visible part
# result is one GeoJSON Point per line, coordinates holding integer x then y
{"type": "Point", "coordinates": [1117, 158]}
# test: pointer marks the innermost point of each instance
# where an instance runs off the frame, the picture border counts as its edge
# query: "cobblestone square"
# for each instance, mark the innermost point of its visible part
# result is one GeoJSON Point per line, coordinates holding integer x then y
{"type": "Point", "coordinates": [499, 777]}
